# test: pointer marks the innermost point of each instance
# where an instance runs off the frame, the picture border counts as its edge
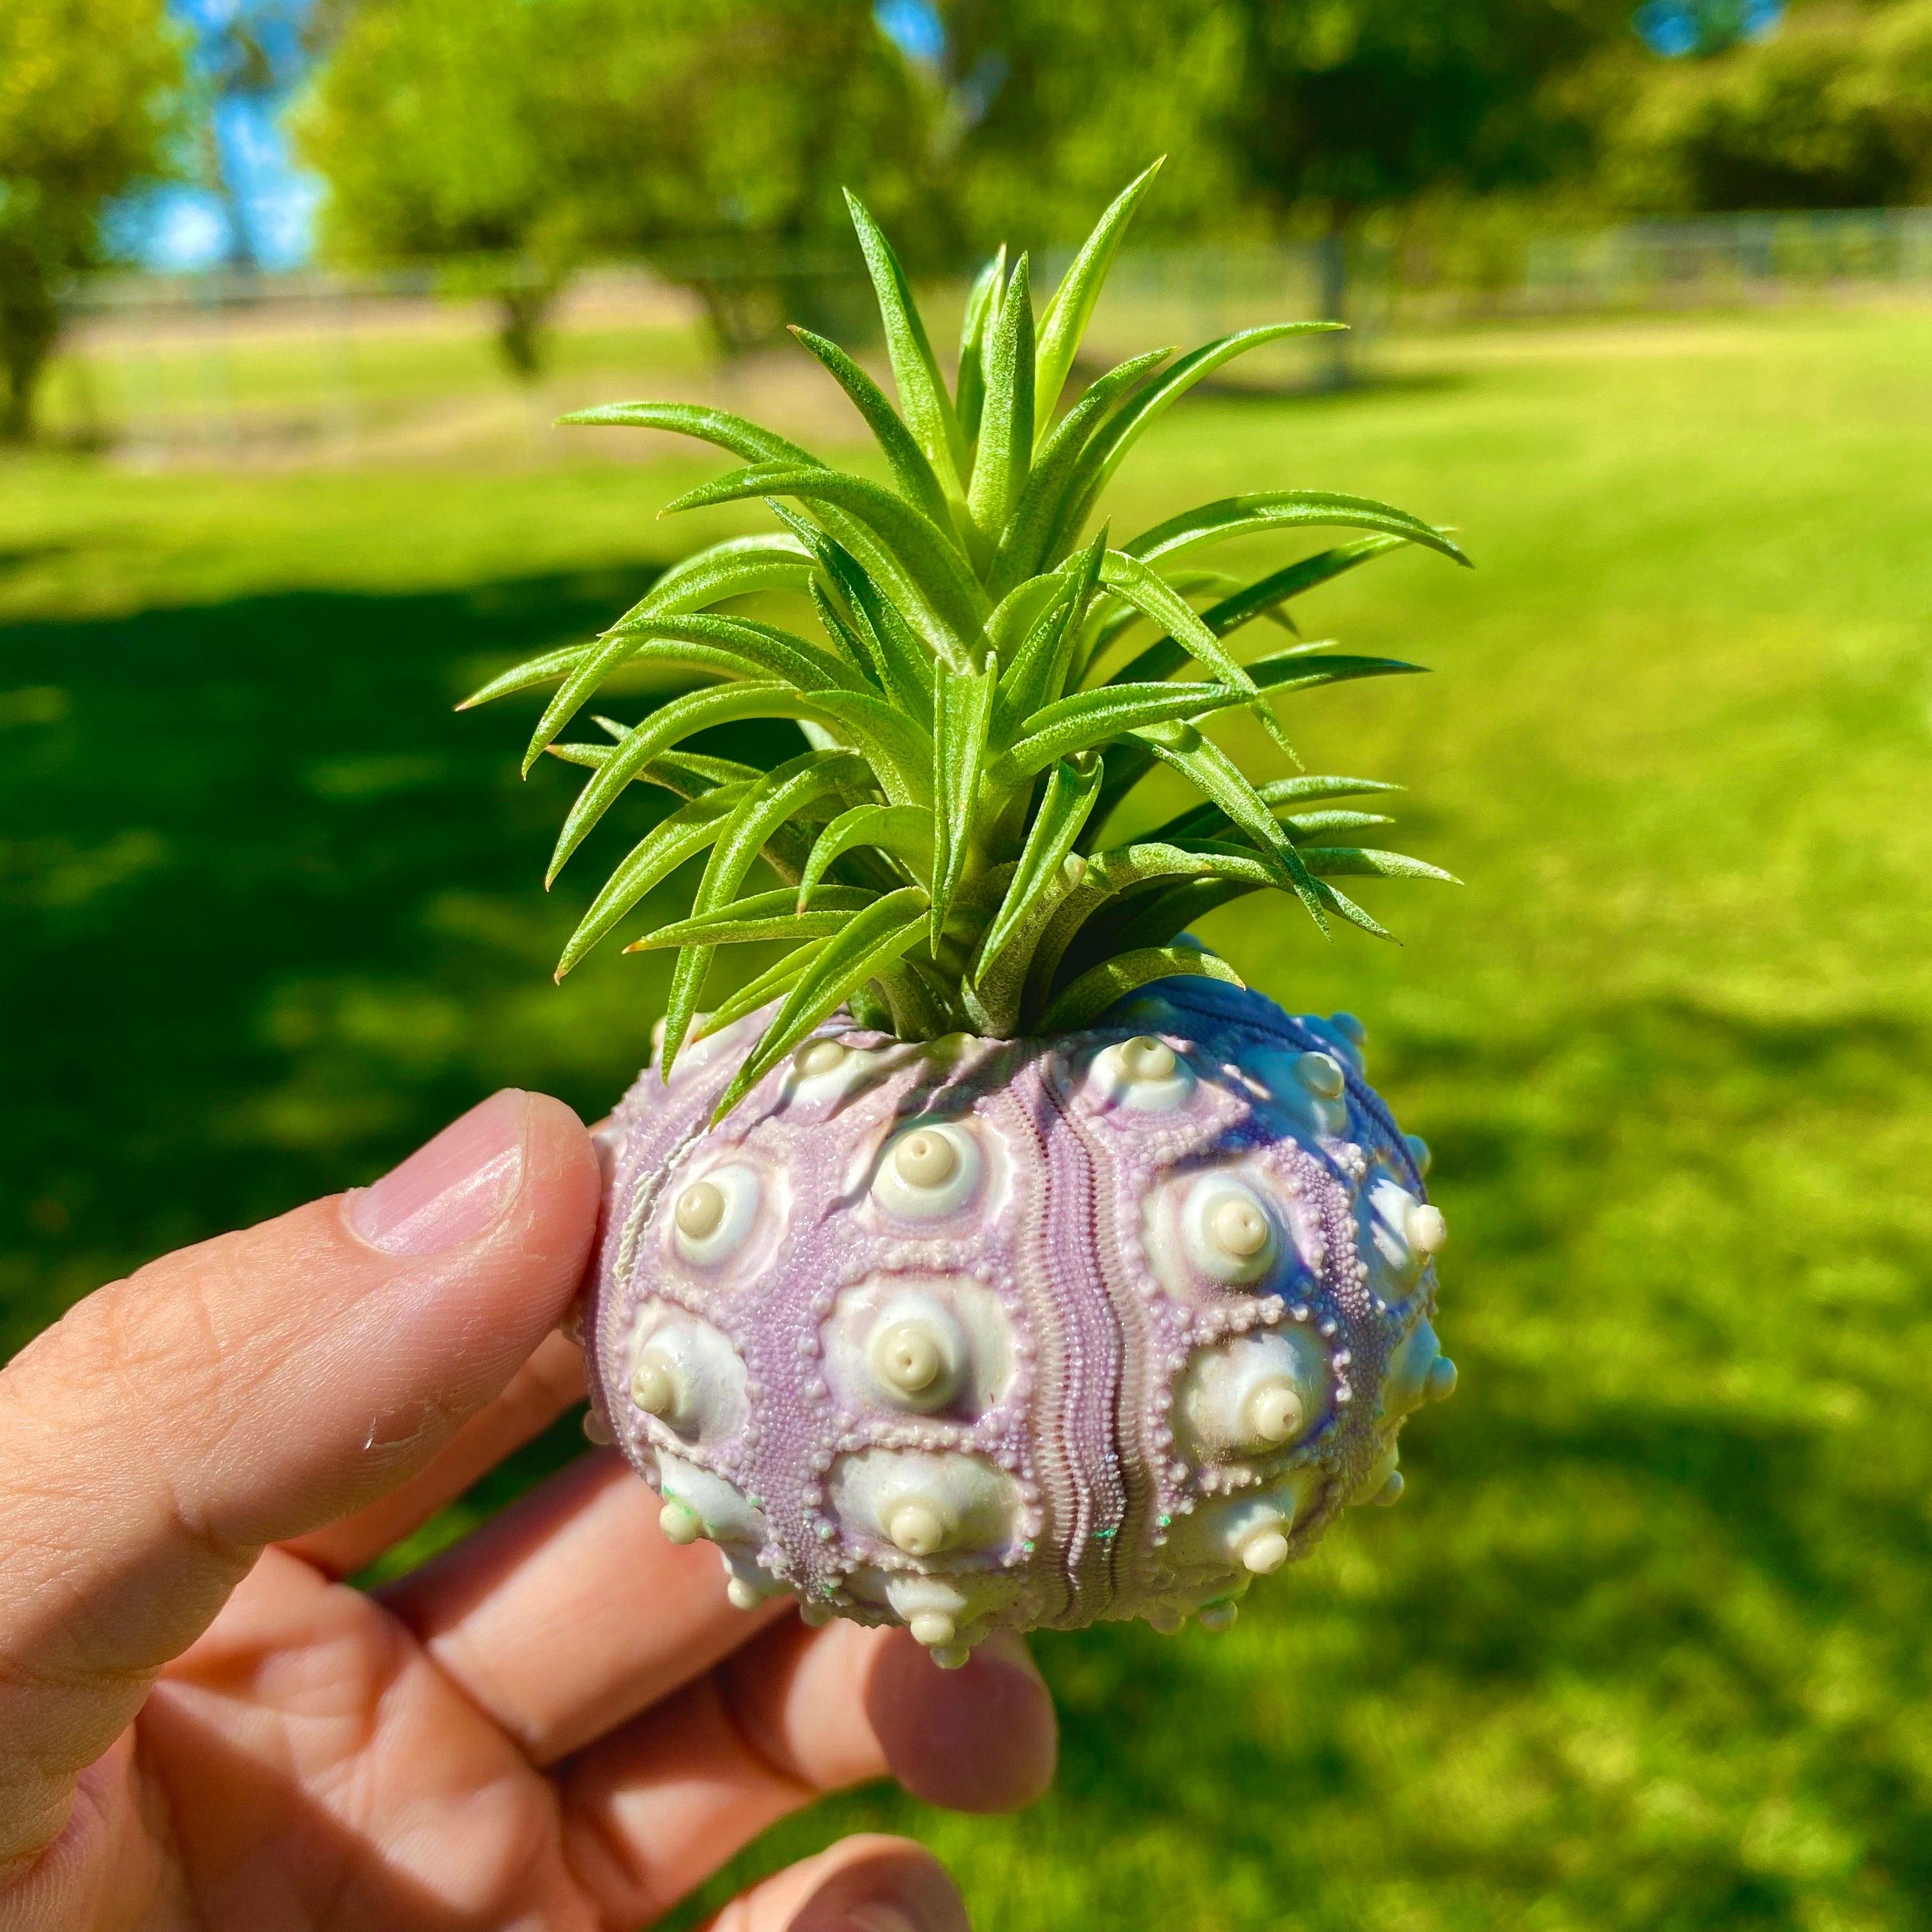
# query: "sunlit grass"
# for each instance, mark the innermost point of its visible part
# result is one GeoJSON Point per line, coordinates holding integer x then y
{"type": "Point", "coordinates": [1645, 1646]}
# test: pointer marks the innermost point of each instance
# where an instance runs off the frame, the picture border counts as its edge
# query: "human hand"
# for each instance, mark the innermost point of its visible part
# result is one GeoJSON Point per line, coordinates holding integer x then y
{"type": "Point", "coordinates": [558, 1723]}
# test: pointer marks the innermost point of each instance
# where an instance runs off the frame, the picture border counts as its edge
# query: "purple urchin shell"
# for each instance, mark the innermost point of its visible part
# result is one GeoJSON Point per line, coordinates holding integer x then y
{"type": "Point", "coordinates": [977, 1333]}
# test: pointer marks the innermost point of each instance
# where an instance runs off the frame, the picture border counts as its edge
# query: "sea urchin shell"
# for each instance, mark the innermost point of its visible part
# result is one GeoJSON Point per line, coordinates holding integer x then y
{"type": "Point", "coordinates": [972, 1333]}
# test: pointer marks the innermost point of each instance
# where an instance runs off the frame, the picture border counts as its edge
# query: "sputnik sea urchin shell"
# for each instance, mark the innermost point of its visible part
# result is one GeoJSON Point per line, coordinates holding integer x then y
{"type": "Point", "coordinates": [973, 1333]}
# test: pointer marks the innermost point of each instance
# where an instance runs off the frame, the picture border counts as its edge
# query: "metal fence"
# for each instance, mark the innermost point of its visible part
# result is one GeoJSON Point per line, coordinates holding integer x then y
{"type": "Point", "coordinates": [322, 367]}
{"type": "Point", "coordinates": [1720, 258]}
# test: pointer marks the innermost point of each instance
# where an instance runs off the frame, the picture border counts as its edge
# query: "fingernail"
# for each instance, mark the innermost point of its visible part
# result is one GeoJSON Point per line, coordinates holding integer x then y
{"type": "Point", "coordinates": [892, 1895]}
{"type": "Point", "coordinates": [448, 1191]}
{"type": "Point", "coordinates": [879, 1916]}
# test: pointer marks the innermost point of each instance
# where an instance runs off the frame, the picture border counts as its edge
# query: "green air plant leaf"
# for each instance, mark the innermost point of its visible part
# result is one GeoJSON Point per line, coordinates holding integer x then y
{"type": "Point", "coordinates": [1003, 458]}
{"type": "Point", "coordinates": [1065, 322]}
{"type": "Point", "coordinates": [766, 805]}
{"type": "Point", "coordinates": [929, 411]}
{"type": "Point", "coordinates": [970, 392]}
{"type": "Point", "coordinates": [971, 681]}
{"type": "Point", "coordinates": [1098, 988]}
{"type": "Point", "coordinates": [962, 704]}
{"type": "Point", "coordinates": [874, 938]}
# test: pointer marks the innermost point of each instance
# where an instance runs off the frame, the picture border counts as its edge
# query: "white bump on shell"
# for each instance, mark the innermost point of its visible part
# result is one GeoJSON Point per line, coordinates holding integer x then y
{"type": "Point", "coordinates": [1227, 1230]}
{"type": "Point", "coordinates": [1143, 1075]}
{"type": "Point", "coordinates": [653, 1384]}
{"type": "Point", "coordinates": [741, 1596]}
{"type": "Point", "coordinates": [596, 1429]}
{"type": "Point", "coordinates": [700, 1209]}
{"type": "Point", "coordinates": [705, 1238]}
{"type": "Point", "coordinates": [918, 1354]}
{"type": "Point", "coordinates": [1428, 1233]}
{"type": "Point", "coordinates": [821, 1056]}
{"type": "Point", "coordinates": [924, 1159]}
{"type": "Point", "coordinates": [928, 1171]}
{"type": "Point", "coordinates": [680, 1523]}
{"type": "Point", "coordinates": [917, 1526]}
{"type": "Point", "coordinates": [1321, 1074]}
{"type": "Point", "coordinates": [933, 1628]}
{"type": "Point", "coordinates": [1263, 1551]}
{"type": "Point", "coordinates": [1218, 1616]}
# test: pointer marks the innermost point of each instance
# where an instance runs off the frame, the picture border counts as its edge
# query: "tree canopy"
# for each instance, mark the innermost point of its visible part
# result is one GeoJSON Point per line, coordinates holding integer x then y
{"type": "Point", "coordinates": [1834, 110]}
{"type": "Point", "coordinates": [548, 129]}
{"type": "Point", "coordinates": [89, 96]}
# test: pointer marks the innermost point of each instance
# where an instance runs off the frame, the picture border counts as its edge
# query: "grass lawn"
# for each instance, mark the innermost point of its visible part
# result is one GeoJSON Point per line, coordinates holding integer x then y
{"type": "Point", "coordinates": [1646, 1645]}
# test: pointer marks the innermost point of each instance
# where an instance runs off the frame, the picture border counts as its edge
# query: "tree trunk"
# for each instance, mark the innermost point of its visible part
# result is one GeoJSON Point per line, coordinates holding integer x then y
{"type": "Point", "coordinates": [30, 326]}
{"type": "Point", "coordinates": [520, 332]}
{"type": "Point", "coordinates": [1337, 371]}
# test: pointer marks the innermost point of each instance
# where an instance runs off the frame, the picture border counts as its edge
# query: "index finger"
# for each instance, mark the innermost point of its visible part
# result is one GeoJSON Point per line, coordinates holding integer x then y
{"type": "Point", "coordinates": [249, 1390]}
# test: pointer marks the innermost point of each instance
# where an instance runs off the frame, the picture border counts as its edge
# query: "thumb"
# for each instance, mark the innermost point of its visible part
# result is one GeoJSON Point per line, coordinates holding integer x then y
{"type": "Point", "coordinates": [248, 1390]}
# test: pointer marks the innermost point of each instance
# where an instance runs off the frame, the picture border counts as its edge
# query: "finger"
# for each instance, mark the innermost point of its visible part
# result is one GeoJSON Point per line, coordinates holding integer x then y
{"type": "Point", "coordinates": [570, 1612]}
{"type": "Point", "coordinates": [540, 1391]}
{"type": "Point", "coordinates": [867, 1883]}
{"type": "Point", "coordinates": [651, 1810]}
{"type": "Point", "coordinates": [251, 1389]}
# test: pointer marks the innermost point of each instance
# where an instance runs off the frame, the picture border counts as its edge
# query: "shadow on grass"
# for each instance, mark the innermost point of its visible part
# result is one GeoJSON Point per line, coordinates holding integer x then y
{"type": "Point", "coordinates": [272, 918]}
{"type": "Point", "coordinates": [267, 899]}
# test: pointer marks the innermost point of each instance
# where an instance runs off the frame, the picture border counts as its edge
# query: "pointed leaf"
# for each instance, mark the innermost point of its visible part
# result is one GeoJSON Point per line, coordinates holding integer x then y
{"type": "Point", "coordinates": [1039, 673]}
{"type": "Point", "coordinates": [899, 542]}
{"type": "Point", "coordinates": [687, 774]}
{"type": "Point", "coordinates": [1070, 792]}
{"type": "Point", "coordinates": [906, 831]}
{"type": "Point", "coordinates": [1227, 786]}
{"type": "Point", "coordinates": [1065, 322]}
{"type": "Point", "coordinates": [922, 396]}
{"type": "Point", "coordinates": [1085, 720]}
{"type": "Point", "coordinates": [1110, 443]}
{"type": "Point", "coordinates": [1023, 549]}
{"type": "Point", "coordinates": [653, 859]}
{"type": "Point", "coordinates": [729, 647]}
{"type": "Point", "coordinates": [1004, 454]}
{"type": "Point", "coordinates": [533, 671]}
{"type": "Point", "coordinates": [872, 939]}
{"type": "Point", "coordinates": [908, 461]}
{"type": "Point", "coordinates": [1101, 986]}
{"type": "Point", "coordinates": [769, 803]}
{"type": "Point", "coordinates": [971, 390]}
{"type": "Point", "coordinates": [664, 728]}
{"type": "Point", "coordinates": [763, 915]}
{"type": "Point", "coordinates": [735, 568]}
{"type": "Point", "coordinates": [1344, 862]}
{"type": "Point", "coordinates": [754, 443]}
{"type": "Point", "coordinates": [962, 704]}
{"type": "Point", "coordinates": [1163, 658]}
{"type": "Point", "coordinates": [759, 992]}
{"type": "Point", "coordinates": [896, 747]}
{"type": "Point", "coordinates": [1285, 509]}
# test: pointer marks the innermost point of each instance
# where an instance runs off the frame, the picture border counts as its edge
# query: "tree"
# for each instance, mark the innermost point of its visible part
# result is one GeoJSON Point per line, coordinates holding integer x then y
{"type": "Point", "coordinates": [1834, 111]}
{"type": "Point", "coordinates": [89, 99]}
{"type": "Point", "coordinates": [1046, 110]}
{"type": "Point", "coordinates": [535, 132]}
{"type": "Point", "coordinates": [1350, 106]}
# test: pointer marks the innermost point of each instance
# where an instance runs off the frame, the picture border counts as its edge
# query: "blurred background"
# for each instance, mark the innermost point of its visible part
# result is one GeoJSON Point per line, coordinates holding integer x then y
{"type": "Point", "coordinates": [290, 292]}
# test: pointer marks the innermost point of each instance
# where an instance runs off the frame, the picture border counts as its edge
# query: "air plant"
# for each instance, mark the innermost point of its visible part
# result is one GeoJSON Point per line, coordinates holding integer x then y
{"type": "Point", "coordinates": [994, 1256]}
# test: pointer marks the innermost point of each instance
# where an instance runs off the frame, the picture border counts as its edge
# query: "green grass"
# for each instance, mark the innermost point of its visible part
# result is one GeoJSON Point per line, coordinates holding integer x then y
{"type": "Point", "coordinates": [1646, 1646]}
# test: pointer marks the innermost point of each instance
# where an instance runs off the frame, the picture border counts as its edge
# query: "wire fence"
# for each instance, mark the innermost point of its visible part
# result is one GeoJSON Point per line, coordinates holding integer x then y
{"type": "Point", "coordinates": [222, 369]}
